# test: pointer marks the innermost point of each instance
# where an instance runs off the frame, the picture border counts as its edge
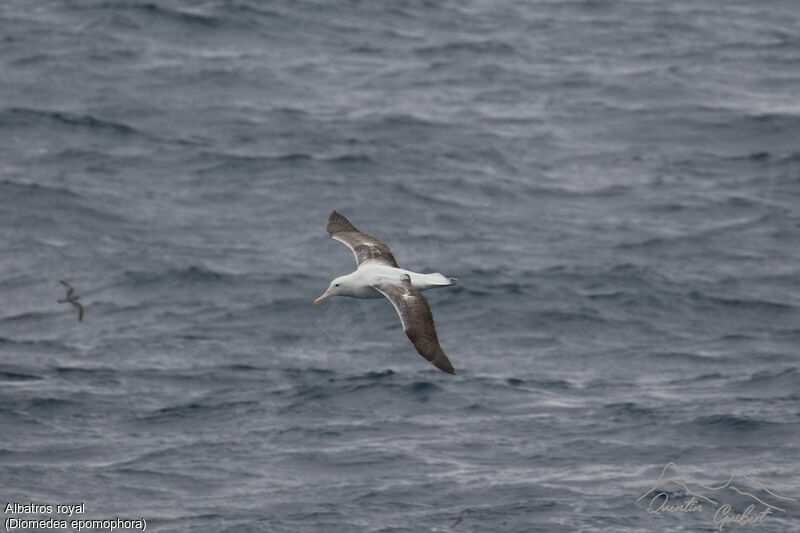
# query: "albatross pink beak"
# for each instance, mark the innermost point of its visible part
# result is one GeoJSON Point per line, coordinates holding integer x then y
{"type": "Point", "coordinates": [325, 296]}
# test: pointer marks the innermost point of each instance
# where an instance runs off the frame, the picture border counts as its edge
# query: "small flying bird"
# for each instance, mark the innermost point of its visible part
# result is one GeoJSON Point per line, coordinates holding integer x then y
{"type": "Point", "coordinates": [378, 275]}
{"type": "Point", "coordinates": [72, 298]}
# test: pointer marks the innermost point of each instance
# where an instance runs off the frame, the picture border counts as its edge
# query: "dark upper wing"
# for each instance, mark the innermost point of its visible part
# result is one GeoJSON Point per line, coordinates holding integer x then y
{"type": "Point", "coordinates": [365, 247]}
{"type": "Point", "coordinates": [67, 285]}
{"type": "Point", "coordinates": [79, 307]}
{"type": "Point", "coordinates": [417, 320]}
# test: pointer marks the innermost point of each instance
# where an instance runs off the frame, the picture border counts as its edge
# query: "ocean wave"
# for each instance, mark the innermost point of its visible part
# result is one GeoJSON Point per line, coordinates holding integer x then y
{"type": "Point", "coordinates": [771, 379]}
{"type": "Point", "coordinates": [556, 384]}
{"type": "Point", "coordinates": [27, 116]}
{"type": "Point", "coordinates": [405, 120]}
{"type": "Point", "coordinates": [190, 275]}
{"type": "Point", "coordinates": [39, 344]}
{"type": "Point", "coordinates": [47, 205]}
{"type": "Point", "coordinates": [349, 159]}
{"type": "Point", "coordinates": [51, 406]}
{"type": "Point", "coordinates": [28, 315]}
{"type": "Point", "coordinates": [488, 47]}
{"type": "Point", "coordinates": [629, 411]}
{"type": "Point", "coordinates": [756, 304]}
{"type": "Point", "coordinates": [196, 409]}
{"type": "Point", "coordinates": [80, 372]}
{"type": "Point", "coordinates": [731, 424]}
{"type": "Point", "coordinates": [227, 162]}
{"type": "Point", "coordinates": [155, 11]}
{"type": "Point", "coordinates": [35, 189]}
{"type": "Point", "coordinates": [677, 357]}
{"type": "Point", "coordinates": [335, 388]}
{"type": "Point", "coordinates": [711, 376]}
{"type": "Point", "coordinates": [7, 375]}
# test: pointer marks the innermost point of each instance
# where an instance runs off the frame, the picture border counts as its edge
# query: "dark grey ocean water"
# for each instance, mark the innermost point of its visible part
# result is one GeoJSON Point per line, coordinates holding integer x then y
{"type": "Point", "coordinates": [615, 184]}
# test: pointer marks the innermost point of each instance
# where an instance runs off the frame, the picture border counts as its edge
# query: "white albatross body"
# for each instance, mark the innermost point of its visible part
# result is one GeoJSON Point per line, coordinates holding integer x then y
{"type": "Point", "coordinates": [360, 284]}
{"type": "Point", "coordinates": [377, 276]}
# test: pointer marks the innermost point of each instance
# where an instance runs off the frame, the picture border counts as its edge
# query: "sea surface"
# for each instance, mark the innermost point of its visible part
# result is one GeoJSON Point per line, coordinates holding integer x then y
{"type": "Point", "coordinates": [615, 184]}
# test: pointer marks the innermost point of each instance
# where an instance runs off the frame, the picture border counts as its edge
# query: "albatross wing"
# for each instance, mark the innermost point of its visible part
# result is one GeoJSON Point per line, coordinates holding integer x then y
{"type": "Point", "coordinates": [79, 307]}
{"type": "Point", "coordinates": [417, 319]}
{"type": "Point", "coordinates": [68, 287]}
{"type": "Point", "coordinates": [365, 247]}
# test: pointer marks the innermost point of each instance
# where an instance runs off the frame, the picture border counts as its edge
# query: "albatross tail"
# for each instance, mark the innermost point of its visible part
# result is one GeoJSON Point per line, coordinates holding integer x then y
{"type": "Point", "coordinates": [430, 281]}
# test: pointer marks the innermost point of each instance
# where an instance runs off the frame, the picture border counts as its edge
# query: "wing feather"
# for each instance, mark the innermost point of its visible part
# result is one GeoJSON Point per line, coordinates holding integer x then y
{"type": "Point", "coordinates": [417, 319]}
{"type": "Point", "coordinates": [364, 247]}
{"type": "Point", "coordinates": [79, 307]}
{"type": "Point", "coordinates": [67, 285]}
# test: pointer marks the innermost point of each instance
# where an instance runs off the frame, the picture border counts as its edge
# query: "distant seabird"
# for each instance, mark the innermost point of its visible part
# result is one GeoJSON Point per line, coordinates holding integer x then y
{"type": "Point", "coordinates": [378, 275]}
{"type": "Point", "coordinates": [72, 298]}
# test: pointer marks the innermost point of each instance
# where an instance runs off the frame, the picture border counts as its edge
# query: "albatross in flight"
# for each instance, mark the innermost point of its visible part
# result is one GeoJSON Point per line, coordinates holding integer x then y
{"type": "Point", "coordinates": [72, 298]}
{"type": "Point", "coordinates": [378, 275]}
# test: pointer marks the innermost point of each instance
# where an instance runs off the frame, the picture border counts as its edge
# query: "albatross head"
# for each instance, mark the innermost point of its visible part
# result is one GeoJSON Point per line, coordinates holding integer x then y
{"type": "Point", "coordinates": [338, 286]}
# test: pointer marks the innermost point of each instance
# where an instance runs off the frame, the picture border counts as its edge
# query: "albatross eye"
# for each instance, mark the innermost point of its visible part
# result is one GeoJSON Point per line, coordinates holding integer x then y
{"type": "Point", "coordinates": [337, 285]}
